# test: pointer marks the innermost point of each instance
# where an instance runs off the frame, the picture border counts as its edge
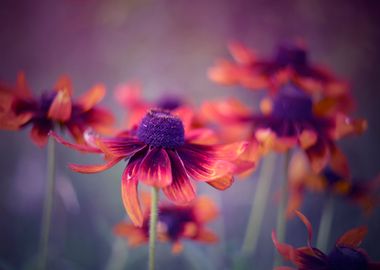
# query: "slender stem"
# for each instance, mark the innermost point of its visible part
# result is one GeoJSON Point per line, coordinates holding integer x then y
{"type": "Point", "coordinates": [258, 205]}
{"type": "Point", "coordinates": [281, 213]}
{"type": "Point", "coordinates": [153, 227]}
{"type": "Point", "coordinates": [48, 205]}
{"type": "Point", "coordinates": [326, 223]}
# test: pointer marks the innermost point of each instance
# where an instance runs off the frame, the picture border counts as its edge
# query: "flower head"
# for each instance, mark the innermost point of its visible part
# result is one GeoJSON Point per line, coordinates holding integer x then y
{"type": "Point", "coordinates": [175, 223]}
{"type": "Point", "coordinates": [51, 109]}
{"type": "Point", "coordinates": [335, 179]}
{"type": "Point", "coordinates": [288, 120]}
{"type": "Point", "coordinates": [346, 254]}
{"type": "Point", "coordinates": [159, 153]}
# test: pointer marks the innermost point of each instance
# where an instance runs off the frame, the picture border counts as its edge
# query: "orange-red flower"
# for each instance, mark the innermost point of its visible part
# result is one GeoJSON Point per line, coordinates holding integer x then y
{"type": "Point", "coordinates": [346, 254]}
{"type": "Point", "coordinates": [335, 178]}
{"type": "Point", "coordinates": [175, 223]}
{"type": "Point", "coordinates": [160, 154]}
{"type": "Point", "coordinates": [287, 120]}
{"type": "Point", "coordinates": [290, 62]}
{"type": "Point", "coordinates": [55, 107]}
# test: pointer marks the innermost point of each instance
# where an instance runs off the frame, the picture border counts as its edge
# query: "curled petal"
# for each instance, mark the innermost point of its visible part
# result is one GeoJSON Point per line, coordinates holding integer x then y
{"type": "Point", "coordinates": [61, 107]}
{"type": "Point", "coordinates": [120, 146]}
{"type": "Point", "coordinates": [95, 168]}
{"type": "Point", "coordinates": [353, 237]}
{"type": "Point", "coordinates": [78, 147]}
{"type": "Point", "coordinates": [155, 169]}
{"type": "Point", "coordinates": [308, 227]}
{"type": "Point", "coordinates": [288, 252]}
{"type": "Point", "coordinates": [222, 183]}
{"type": "Point", "coordinates": [129, 193]}
{"type": "Point", "coordinates": [92, 97]}
{"type": "Point", "coordinates": [181, 190]}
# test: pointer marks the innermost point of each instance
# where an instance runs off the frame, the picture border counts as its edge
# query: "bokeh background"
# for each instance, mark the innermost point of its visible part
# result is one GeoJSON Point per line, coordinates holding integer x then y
{"type": "Point", "coordinates": [168, 46]}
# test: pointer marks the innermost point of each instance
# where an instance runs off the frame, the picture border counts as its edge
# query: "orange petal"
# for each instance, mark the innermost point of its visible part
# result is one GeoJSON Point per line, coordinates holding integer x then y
{"type": "Point", "coordinates": [39, 136]}
{"type": "Point", "coordinates": [64, 84]}
{"type": "Point", "coordinates": [307, 138]}
{"type": "Point", "coordinates": [347, 126]}
{"type": "Point", "coordinates": [205, 209]}
{"type": "Point", "coordinates": [222, 183]}
{"type": "Point", "coordinates": [353, 237]}
{"type": "Point", "coordinates": [155, 169]}
{"type": "Point", "coordinates": [22, 88]}
{"type": "Point", "coordinates": [92, 97]}
{"type": "Point", "coordinates": [95, 168]}
{"type": "Point", "coordinates": [124, 229]}
{"type": "Point", "coordinates": [288, 252]}
{"type": "Point", "coordinates": [207, 236]}
{"type": "Point", "coordinates": [60, 109]}
{"type": "Point", "coordinates": [177, 247]}
{"type": "Point", "coordinates": [78, 147]}
{"type": "Point", "coordinates": [241, 54]}
{"type": "Point", "coordinates": [129, 193]}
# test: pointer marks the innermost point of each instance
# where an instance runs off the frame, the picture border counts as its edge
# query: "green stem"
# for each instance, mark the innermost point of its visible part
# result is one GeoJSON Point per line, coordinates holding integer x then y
{"type": "Point", "coordinates": [326, 223]}
{"type": "Point", "coordinates": [258, 205]}
{"type": "Point", "coordinates": [153, 227]}
{"type": "Point", "coordinates": [48, 205]}
{"type": "Point", "coordinates": [281, 214]}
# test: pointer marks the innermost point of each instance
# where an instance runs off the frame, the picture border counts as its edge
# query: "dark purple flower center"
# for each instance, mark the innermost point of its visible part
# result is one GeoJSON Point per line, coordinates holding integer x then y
{"type": "Point", "coordinates": [174, 219]}
{"type": "Point", "coordinates": [348, 259]}
{"type": "Point", "coordinates": [292, 103]}
{"type": "Point", "coordinates": [331, 176]}
{"type": "Point", "coordinates": [291, 55]}
{"type": "Point", "coordinates": [169, 103]}
{"type": "Point", "coordinates": [159, 128]}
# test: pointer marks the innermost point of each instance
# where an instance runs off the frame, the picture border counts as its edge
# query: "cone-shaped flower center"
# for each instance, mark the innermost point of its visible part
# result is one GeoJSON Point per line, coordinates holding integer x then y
{"type": "Point", "coordinates": [292, 103]}
{"type": "Point", "coordinates": [348, 259]}
{"type": "Point", "coordinates": [331, 176]}
{"type": "Point", "coordinates": [159, 128]}
{"type": "Point", "coordinates": [290, 55]}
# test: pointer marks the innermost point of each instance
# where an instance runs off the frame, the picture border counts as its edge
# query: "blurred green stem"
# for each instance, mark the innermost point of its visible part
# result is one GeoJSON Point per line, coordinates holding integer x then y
{"type": "Point", "coordinates": [281, 213]}
{"type": "Point", "coordinates": [325, 223]}
{"type": "Point", "coordinates": [48, 205]}
{"type": "Point", "coordinates": [258, 205]}
{"type": "Point", "coordinates": [153, 227]}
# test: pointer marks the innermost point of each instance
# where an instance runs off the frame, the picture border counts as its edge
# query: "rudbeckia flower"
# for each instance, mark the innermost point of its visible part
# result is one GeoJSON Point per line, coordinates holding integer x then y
{"type": "Point", "coordinates": [175, 223]}
{"type": "Point", "coordinates": [53, 108]}
{"type": "Point", "coordinates": [160, 154]}
{"type": "Point", "coordinates": [346, 254]}
{"type": "Point", "coordinates": [335, 178]}
{"type": "Point", "coordinates": [130, 97]}
{"type": "Point", "coordinates": [288, 120]}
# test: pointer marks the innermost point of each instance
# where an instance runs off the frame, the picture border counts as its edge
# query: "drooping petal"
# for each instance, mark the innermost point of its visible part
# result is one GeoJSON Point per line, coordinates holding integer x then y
{"type": "Point", "coordinates": [222, 183]}
{"type": "Point", "coordinates": [288, 252]}
{"type": "Point", "coordinates": [78, 147]}
{"type": "Point", "coordinates": [129, 192]}
{"type": "Point", "coordinates": [92, 97]}
{"type": "Point", "coordinates": [95, 168]}
{"type": "Point", "coordinates": [135, 235]}
{"type": "Point", "coordinates": [353, 237]}
{"type": "Point", "coordinates": [22, 88]}
{"type": "Point", "coordinates": [181, 190]}
{"type": "Point", "coordinates": [60, 109]}
{"type": "Point", "coordinates": [120, 146]}
{"type": "Point", "coordinates": [307, 138]}
{"type": "Point", "coordinates": [206, 236]}
{"type": "Point", "coordinates": [347, 126]}
{"type": "Point", "coordinates": [155, 169]}
{"type": "Point", "coordinates": [318, 155]}
{"type": "Point", "coordinates": [39, 134]}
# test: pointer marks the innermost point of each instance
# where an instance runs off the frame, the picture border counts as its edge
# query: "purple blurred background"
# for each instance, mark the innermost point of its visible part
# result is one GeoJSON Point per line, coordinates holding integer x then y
{"type": "Point", "coordinates": [168, 46]}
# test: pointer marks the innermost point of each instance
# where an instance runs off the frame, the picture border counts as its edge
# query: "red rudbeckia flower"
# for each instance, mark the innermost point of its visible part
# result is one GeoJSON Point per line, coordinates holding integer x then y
{"type": "Point", "coordinates": [159, 154]}
{"type": "Point", "coordinates": [175, 223]}
{"type": "Point", "coordinates": [52, 108]}
{"type": "Point", "coordinates": [288, 120]}
{"type": "Point", "coordinates": [334, 178]}
{"type": "Point", "coordinates": [346, 254]}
